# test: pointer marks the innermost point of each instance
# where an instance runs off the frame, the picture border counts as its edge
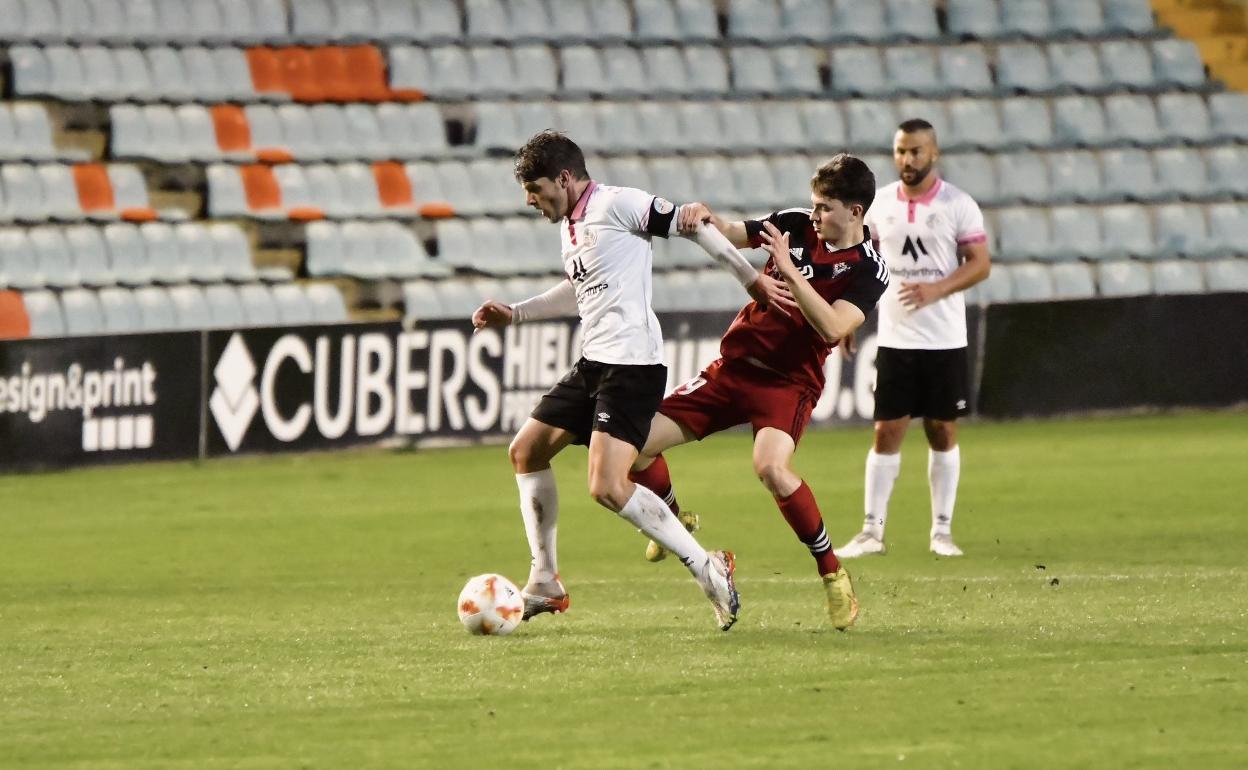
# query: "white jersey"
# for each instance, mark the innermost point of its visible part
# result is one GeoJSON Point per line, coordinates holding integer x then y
{"type": "Point", "coordinates": [919, 240]}
{"type": "Point", "coordinates": [608, 257]}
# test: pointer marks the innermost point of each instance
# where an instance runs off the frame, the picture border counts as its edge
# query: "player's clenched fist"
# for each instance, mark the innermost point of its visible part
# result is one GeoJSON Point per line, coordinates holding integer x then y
{"type": "Point", "coordinates": [492, 314]}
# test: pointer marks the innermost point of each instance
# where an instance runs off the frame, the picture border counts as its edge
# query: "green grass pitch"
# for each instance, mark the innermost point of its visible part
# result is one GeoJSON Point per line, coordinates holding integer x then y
{"type": "Point", "coordinates": [299, 612]}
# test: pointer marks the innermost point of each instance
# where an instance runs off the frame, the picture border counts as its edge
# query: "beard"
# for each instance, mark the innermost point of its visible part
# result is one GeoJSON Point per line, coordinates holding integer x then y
{"type": "Point", "coordinates": [913, 177]}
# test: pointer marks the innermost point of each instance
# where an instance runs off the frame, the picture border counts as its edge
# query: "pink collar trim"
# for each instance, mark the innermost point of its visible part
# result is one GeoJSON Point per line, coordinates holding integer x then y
{"type": "Point", "coordinates": [578, 211]}
{"type": "Point", "coordinates": [925, 199]}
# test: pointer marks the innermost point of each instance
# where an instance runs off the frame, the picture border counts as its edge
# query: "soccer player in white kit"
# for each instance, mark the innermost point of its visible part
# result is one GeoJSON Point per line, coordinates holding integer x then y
{"type": "Point", "coordinates": [611, 394]}
{"type": "Point", "coordinates": [932, 237]}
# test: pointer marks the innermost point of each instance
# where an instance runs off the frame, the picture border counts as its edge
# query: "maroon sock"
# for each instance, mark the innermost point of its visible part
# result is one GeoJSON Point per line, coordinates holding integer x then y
{"type": "Point", "coordinates": [802, 513]}
{"type": "Point", "coordinates": [656, 479]}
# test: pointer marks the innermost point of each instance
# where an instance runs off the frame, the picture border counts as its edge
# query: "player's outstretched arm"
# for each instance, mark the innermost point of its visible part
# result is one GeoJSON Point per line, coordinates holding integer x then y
{"type": "Point", "coordinates": [833, 321]}
{"type": "Point", "coordinates": [761, 287]}
{"type": "Point", "coordinates": [555, 302]}
{"type": "Point", "coordinates": [694, 214]}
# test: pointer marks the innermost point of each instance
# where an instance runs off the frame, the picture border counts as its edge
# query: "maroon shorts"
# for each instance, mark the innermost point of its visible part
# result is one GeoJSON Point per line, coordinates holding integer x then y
{"type": "Point", "coordinates": [734, 393]}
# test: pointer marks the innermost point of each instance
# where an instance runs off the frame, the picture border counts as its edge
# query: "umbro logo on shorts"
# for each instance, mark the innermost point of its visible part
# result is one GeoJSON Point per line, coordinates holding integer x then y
{"type": "Point", "coordinates": [603, 417]}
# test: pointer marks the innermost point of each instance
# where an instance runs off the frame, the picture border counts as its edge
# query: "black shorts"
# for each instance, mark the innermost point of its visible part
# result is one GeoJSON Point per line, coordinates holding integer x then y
{"type": "Point", "coordinates": [617, 399]}
{"type": "Point", "coordinates": [921, 383]}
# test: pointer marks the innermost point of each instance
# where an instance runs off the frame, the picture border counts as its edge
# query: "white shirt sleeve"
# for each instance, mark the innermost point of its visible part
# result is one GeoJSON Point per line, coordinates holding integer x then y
{"type": "Point", "coordinates": [631, 209]}
{"type": "Point", "coordinates": [969, 222]}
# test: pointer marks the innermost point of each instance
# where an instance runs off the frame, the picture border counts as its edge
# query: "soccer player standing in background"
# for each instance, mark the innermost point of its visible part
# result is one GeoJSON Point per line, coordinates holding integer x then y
{"type": "Point", "coordinates": [608, 398]}
{"type": "Point", "coordinates": [932, 236]}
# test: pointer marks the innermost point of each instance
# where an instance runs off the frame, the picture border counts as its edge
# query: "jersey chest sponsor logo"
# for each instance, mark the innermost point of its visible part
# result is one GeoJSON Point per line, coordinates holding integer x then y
{"type": "Point", "coordinates": [913, 247]}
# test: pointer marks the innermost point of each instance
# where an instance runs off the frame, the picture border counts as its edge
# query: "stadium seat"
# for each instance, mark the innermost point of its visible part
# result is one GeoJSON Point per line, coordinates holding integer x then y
{"type": "Point", "coordinates": [754, 183]}
{"type": "Point", "coordinates": [90, 255]}
{"type": "Point", "coordinates": [1175, 276]}
{"type": "Point", "coordinates": [1076, 66]}
{"type": "Point", "coordinates": [1022, 178]}
{"type": "Point", "coordinates": [1023, 233]}
{"type": "Point", "coordinates": [757, 20]}
{"type": "Point", "coordinates": [707, 70]}
{"type": "Point", "coordinates": [655, 21]}
{"type": "Point", "coordinates": [1075, 175]}
{"type": "Point", "coordinates": [1126, 231]}
{"type": "Point", "coordinates": [421, 301]}
{"type": "Point", "coordinates": [1128, 16]}
{"type": "Point", "coordinates": [225, 309]}
{"type": "Point", "coordinates": [1129, 175]}
{"type": "Point", "coordinates": [259, 306]}
{"type": "Point", "coordinates": [1181, 231]}
{"type": "Point", "coordinates": [1184, 118]}
{"type": "Point", "coordinates": [859, 71]}
{"type": "Point", "coordinates": [32, 74]}
{"type": "Point", "coordinates": [964, 69]}
{"type": "Point", "coordinates": [1181, 173]}
{"type": "Point", "coordinates": [1026, 122]}
{"type": "Point", "coordinates": [1229, 112]}
{"type": "Point", "coordinates": [863, 22]}
{"type": "Point", "coordinates": [1128, 65]}
{"type": "Point", "coordinates": [1077, 17]}
{"type": "Point", "coordinates": [1124, 279]}
{"type": "Point", "coordinates": [807, 20]}
{"type": "Point", "coordinates": [1032, 283]}
{"type": "Point", "coordinates": [164, 255]}
{"type": "Point", "coordinates": [823, 123]}
{"type": "Point", "coordinates": [439, 20]}
{"type": "Point", "coordinates": [1073, 280]}
{"type": "Point", "coordinates": [796, 71]}
{"type": "Point", "coordinates": [621, 129]}
{"type": "Point", "coordinates": [195, 252]}
{"type": "Point", "coordinates": [977, 19]}
{"type": "Point", "coordinates": [328, 306]}
{"type": "Point", "coordinates": [127, 254]}
{"type": "Point", "coordinates": [972, 172]}
{"type": "Point", "coordinates": [82, 312]}
{"type": "Point", "coordinates": [1133, 118]}
{"type": "Point", "coordinates": [997, 288]}
{"type": "Point", "coordinates": [1029, 19]}
{"type": "Point", "coordinates": [156, 310]}
{"type": "Point", "coordinates": [742, 125]}
{"type": "Point", "coordinates": [696, 20]}
{"type": "Point", "coordinates": [1080, 121]}
{"type": "Point", "coordinates": [911, 69]}
{"type": "Point", "coordinates": [293, 307]}
{"type": "Point", "coordinates": [1227, 275]}
{"type": "Point", "coordinates": [190, 308]}
{"type": "Point", "coordinates": [871, 124]}
{"type": "Point", "coordinates": [583, 71]}
{"type": "Point", "coordinates": [973, 124]}
{"type": "Point", "coordinates": [1177, 63]}
{"type": "Point", "coordinates": [659, 127]}
{"type": "Point", "coordinates": [120, 310]}
{"type": "Point", "coordinates": [1023, 68]}
{"type": "Point", "coordinates": [43, 311]}
{"type": "Point", "coordinates": [912, 19]}
{"type": "Point", "coordinates": [18, 267]}
{"type": "Point", "coordinates": [1076, 234]}
{"type": "Point", "coordinates": [1228, 171]}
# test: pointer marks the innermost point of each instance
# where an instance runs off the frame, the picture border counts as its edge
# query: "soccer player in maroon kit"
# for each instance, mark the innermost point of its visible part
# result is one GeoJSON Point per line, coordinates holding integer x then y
{"type": "Point", "coordinates": [770, 373]}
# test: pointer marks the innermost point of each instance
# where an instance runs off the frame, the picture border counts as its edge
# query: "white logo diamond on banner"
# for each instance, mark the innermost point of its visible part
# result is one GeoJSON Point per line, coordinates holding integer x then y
{"type": "Point", "coordinates": [234, 401]}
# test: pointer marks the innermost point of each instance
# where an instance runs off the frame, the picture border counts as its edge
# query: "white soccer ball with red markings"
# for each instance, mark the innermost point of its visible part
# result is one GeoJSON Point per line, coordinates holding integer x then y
{"type": "Point", "coordinates": [490, 604]}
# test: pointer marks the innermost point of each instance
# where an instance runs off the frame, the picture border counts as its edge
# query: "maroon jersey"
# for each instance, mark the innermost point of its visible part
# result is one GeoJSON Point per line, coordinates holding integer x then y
{"type": "Point", "coordinates": [788, 344]}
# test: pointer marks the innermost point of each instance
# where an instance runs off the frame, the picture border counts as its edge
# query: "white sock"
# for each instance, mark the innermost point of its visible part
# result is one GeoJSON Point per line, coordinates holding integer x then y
{"type": "Point", "coordinates": [943, 469]}
{"type": "Point", "coordinates": [882, 473]}
{"type": "Point", "coordinates": [539, 505]}
{"type": "Point", "coordinates": [650, 514]}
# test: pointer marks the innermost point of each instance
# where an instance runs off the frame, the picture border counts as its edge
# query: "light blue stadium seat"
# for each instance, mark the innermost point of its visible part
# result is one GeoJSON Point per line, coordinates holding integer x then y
{"type": "Point", "coordinates": [1030, 18]}
{"type": "Point", "coordinates": [1227, 275]}
{"type": "Point", "coordinates": [196, 250]}
{"type": "Point", "coordinates": [19, 268]}
{"type": "Point", "coordinates": [697, 20]}
{"type": "Point", "coordinates": [753, 70]}
{"type": "Point", "coordinates": [293, 308]}
{"type": "Point", "coordinates": [1229, 112]}
{"type": "Point", "coordinates": [1022, 178]}
{"type": "Point", "coordinates": [127, 254]}
{"type": "Point", "coordinates": [1023, 233]}
{"type": "Point", "coordinates": [931, 110]}
{"type": "Point", "coordinates": [1026, 122]}
{"type": "Point", "coordinates": [44, 311]}
{"type": "Point", "coordinates": [974, 173]}
{"type": "Point", "coordinates": [328, 306]}
{"type": "Point", "coordinates": [911, 69]}
{"type": "Point", "coordinates": [1075, 176]}
{"type": "Point", "coordinates": [610, 20]}
{"type": "Point", "coordinates": [782, 127]}
{"type": "Point", "coordinates": [1076, 234]}
{"type": "Point", "coordinates": [755, 20]}
{"type": "Point", "coordinates": [865, 22]}
{"type": "Point", "coordinates": [673, 179]}
{"type": "Point", "coordinates": [1072, 281]}
{"type": "Point", "coordinates": [973, 123]}
{"type": "Point", "coordinates": [1077, 17]}
{"type": "Point", "coordinates": [655, 21]}
{"type": "Point", "coordinates": [795, 69]}
{"type": "Point", "coordinates": [325, 254]}
{"type": "Point", "coordinates": [1126, 231]}
{"type": "Point", "coordinates": [714, 181]}
{"type": "Point", "coordinates": [570, 23]}
{"type": "Point", "coordinates": [1079, 120]}
{"type": "Point", "coordinates": [82, 312]}
{"type": "Point", "coordinates": [621, 129]}
{"type": "Point", "coordinates": [583, 71]}
{"type": "Point", "coordinates": [977, 19]}
{"type": "Point", "coordinates": [755, 184]}
{"type": "Point", "coordinates": [660, 127]}
{"type": "Point", "coordinates": [824, 123]}
{"type": "Point", "coordinates": [1023, 67]}
{"type": "Point", "coordinates": [1076, 66]}
{"type": "Point", "coordinates": [225, 309]}
{"type": "Point", "coordinates": [1133, 117]}
{"type": "Point", "coordinates": [90, 255]}
{"type": "Point", "coordinates": [1124, 279]}
{"type": "Point", "coordinates": [912, 19]}
{"type": "Point", "coordinates": [1128, 64]}
{"type": "Point", "coordinates": [421, 301]}
{"type": "Point", "coordinates": [964, 69]}
{"type": "Point", "coordinates": [493, 71]}
{"type": "Point", "coordinates": [1032, 283]}
{"type": "Point", "coordinates": [859, 71]}
{"type": "Point", "coordinates": [1178, 276]}
{"type": "Point", "coordinates": [1181, 231]}
{"type": "Point", "coordinates": [707, 69]}
{"type": "Point", "coordinates": [1129, 174]}
{"type": "Point", "coordinates": [624, 171]}
{"type": "Point", "coordinates": [164, 255]}
{"type": "Point", "coordinates": [808, 20]}
{"type": "Point", "coordinates": [625, 74]}
{"type": "Point", "coordinates": [666, 71]}
{"type": "Point", "coordinates": [259, 308]}
{"type": "Point", "coordinates": [792, 174]}
{"type": "Point", "coordinates": [1177, 62]}
{"type": "Point", "coordinates": [1181, 172]}
{"type": "Point", "coordinates": [700, 126]}
{"type": "Point", "coordinates": [742, 125]}
{"type": "Point", "coordinates": [1183, 117]}
{"type": "Point", "coordinates": [535, 71]}
{"type": "Point", "coordinates": [1228, 170]}
{"type": "Point", "coordinates": [872, 124]}
{"type": "Point", "coordinates": [997, 288]}
{"type": "Point", "coordinates": [156, 311]}
{"type": "Point", "coordinates": [1129, 16]}
{"type": "Point", "coordinates": [1228, 228]}
{"type": "Point", "coordinates": [121, 311]}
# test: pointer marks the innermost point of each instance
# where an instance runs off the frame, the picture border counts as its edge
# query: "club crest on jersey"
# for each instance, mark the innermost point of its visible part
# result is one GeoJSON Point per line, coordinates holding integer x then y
{"type": "Point", "coordinates": [840, 268]}
{"type": "Point", "coordinates": [796, 252]}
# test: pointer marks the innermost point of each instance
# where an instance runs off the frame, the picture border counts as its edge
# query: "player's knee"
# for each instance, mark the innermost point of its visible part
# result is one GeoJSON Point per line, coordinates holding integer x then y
{"type": "Point", "coordinates": [525, 458]}
{"type": "Point", "coordinates": [773, 474]}
{"type": "Point", "coordinates": [609, 493]}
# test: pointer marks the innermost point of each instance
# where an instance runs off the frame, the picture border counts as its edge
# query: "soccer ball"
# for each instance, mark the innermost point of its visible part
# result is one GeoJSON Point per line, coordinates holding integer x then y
{"type": "Point", "coordinates": [490, 604]}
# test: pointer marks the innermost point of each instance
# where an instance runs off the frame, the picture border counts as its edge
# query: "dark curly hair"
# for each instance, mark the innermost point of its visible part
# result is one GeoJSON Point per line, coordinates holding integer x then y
{"type": "Point", "coordinates": [547, 154]}
{"type": "Point", "coordinates": [846, 179]}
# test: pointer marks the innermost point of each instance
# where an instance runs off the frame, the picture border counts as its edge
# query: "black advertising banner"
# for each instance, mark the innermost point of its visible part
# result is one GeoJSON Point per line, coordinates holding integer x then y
{"type": "Point", "coordinates": [1045, 359]}
{"type": "Point", "coordinates": [288, 389]}
{"type": "Point", "coordinates": [87, 400]}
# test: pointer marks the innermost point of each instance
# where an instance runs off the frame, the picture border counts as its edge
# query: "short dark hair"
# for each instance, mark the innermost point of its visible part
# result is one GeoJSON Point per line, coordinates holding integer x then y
{"type": "Point", "coordinates": [546, 154]}
{"type": "Point", "coordinates": [846, 179]}
{"type": "Point", "coordinates": [914, 125]}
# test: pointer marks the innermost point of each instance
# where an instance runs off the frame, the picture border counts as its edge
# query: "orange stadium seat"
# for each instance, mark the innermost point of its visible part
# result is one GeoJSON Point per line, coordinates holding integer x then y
{"type": "Point", "coordinates": [95, 191]}
{"type": "Point", "coordinates": [233, 133]}
{"type": "Point", "coordinates": [261, 188]}
{"type": "Point", "coordinates": [267, 76]}
{"type": "Point", "coordinates": [368, 69]}
{"type": "Point", "coordinates": [393, 188]}
{"type": "Point", "coordinates": [329, 67]}
{"type": "Point", "coordinates": [300, 75]}
{"type": "Point", "coordinates": [14, 323]}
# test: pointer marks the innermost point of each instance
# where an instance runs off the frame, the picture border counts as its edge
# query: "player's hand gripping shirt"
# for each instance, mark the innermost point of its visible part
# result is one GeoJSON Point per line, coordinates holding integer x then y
{"type": "Point", "coordinates": [788, 344]}
{"type": "Point", "coordinates": [919, 240]}
{"type": "Point", "coordinates": [608, 258]}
